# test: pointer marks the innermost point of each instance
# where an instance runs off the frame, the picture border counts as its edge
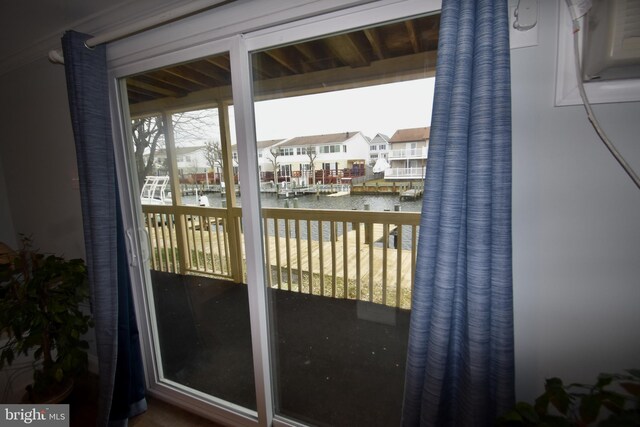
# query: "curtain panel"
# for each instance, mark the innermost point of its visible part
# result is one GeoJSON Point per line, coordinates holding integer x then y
{"type": "Point", "coordinates": [121, 381]}
{"type": "Point", "coordinates": [460, 367]}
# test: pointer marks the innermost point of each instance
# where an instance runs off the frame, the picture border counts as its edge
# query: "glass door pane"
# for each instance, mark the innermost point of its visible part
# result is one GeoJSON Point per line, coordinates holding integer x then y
{"type": "Point", "coordinates": [340, 229]}
{"type": "Point", "coordinates": [182, 145]}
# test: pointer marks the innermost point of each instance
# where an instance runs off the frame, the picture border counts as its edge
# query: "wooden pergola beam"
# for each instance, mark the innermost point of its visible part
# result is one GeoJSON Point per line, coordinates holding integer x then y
{"type": "Point", "coordinates": [345, 48]}
{"type": "Point", "coordinates": [390, 70]}
{"type": "Point", "coordinates": [281, 57]}
{"type": "Point", "coordinates": [413, 38]}
{"type": "Point", "coordinates": [374, 41]}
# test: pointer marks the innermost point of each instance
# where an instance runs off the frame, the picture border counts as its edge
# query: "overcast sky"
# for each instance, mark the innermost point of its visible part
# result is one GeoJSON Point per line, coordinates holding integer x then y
{"type": "Point", "coordinates": [372, 110]}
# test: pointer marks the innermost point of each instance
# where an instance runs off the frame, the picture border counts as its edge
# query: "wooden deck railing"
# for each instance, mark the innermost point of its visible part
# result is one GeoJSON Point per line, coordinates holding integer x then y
{"type": "Point", "coordinates": [361, 255]}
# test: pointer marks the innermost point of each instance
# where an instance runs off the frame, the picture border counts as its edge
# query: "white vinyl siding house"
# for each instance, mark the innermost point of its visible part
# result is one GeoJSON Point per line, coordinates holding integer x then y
{"type": "Point", "coordinates": [378, 148]}
{"type": "Point", "coordinates": [408, 154]}
{"type": "Point", "coordinates": [190, 160]}
{"type": "Point", "coordinates": [339, 156]}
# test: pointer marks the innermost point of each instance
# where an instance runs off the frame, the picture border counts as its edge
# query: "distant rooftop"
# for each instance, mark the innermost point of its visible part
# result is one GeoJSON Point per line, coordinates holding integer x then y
{"type": "Point", "coordinates": [267, 143]}
{"type": "Point", "coordinates": [161, 152]}
{"type": "Point", "coordinates": [381, 136]}
{"type": "Point", "coordinates": [410, 135]}
{"type": "Point", "coordinates": [332, 138]}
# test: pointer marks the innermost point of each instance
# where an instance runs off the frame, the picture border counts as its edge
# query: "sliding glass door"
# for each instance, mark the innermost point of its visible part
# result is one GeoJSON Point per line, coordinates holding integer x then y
{"type": "Point", "coordinates": [274, 203]}
{"type": "Point", "coordinates": [185, 170]}
{"type": "Point", "coordinates": [339, 239]}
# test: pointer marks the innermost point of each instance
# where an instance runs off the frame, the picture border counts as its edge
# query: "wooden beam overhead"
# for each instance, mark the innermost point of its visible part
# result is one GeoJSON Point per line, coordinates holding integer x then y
{"type": "Point", "coordinates": [265, 67]}
{"type": "Point", "coordinates": [390, 70]}
{"type": "Point", "coordinates": [374, 41]}
{"type": "Point", "coordinates": [408, 67]}
{"type": "Point", "coordinates": [204, 68]}
{"type": "Point", "coordinates": [192, 76]}
{"type": "Point", "coordinates": [344, 47]}
{"type": "Point", "coordinates": [318, 65]}
{"type": "Point", "coordinates": [413, 38]}
{"type": "Point", "coordinates": [145, 78]}
{"type": "Point", "coordinates": [139, 95]}
{"type": "Point", "coordinates": [153, 89]}
{"type": "Point", "coordinates": [171, 78]}
{"type": "Point", "coordinates": [284, 58]}
{"type": "Point", "coordinates": [310, 56]}
{"type": "Point", "coordinates": [220, 61]}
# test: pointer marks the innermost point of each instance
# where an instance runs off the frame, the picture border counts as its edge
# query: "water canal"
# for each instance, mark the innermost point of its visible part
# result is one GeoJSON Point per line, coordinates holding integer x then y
{"type": "Point", "coordinates": [377, 203]}
{"type": "Point", "coordinates": [323, 201]}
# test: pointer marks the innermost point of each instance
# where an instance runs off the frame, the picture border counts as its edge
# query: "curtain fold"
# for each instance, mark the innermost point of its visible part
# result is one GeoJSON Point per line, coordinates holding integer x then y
{"type": "Point", "coordinates": [118, 348]}
{"type": "Point", "coordinates": [460, 368]}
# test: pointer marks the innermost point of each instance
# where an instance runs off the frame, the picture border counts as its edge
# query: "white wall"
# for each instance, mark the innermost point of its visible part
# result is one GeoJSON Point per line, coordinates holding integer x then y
{"type": "Point", "coordinates": [576, 228]}
{"type": "Point", "coordinates": [7, 232]}
{"type": "Point", "coordinates": [38, 156]}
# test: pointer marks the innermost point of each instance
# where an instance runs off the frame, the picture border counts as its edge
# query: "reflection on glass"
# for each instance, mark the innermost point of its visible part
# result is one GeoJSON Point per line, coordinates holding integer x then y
{"type": "Point", "coordinates": [343, 129]}
{"type": "Point", "coordinates": [182, 148]}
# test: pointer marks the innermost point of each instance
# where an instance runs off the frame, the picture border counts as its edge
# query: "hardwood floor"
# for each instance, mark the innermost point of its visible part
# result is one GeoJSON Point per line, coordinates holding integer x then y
{"type": "Point", "coordinates": [84, 407]}
{"type": "Point", "coordinates": [162, 414]}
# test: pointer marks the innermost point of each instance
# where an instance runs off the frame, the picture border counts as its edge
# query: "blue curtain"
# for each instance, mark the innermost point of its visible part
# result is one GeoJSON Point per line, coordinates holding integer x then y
{"type": "Point", "coordinates": [460, 367]}
{"type": "Point", "coordinates": [121, 377]}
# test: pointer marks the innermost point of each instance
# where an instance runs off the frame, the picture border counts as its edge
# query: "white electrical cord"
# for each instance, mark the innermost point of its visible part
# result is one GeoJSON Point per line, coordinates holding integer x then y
{"type": "Point", "coordinates": [592, 118]}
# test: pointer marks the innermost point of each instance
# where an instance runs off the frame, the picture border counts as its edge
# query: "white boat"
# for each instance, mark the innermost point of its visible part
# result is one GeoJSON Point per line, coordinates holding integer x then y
{"type": "Point", "coordinates": [154, 191]}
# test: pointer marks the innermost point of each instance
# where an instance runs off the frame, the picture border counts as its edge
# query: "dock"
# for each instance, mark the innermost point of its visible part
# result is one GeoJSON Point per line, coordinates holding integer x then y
{"type": "Point", "coordinates": [411, 194]}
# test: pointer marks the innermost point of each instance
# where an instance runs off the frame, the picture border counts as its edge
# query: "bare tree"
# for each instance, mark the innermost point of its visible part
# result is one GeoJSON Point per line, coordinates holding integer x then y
{"type": "Point", "coordinates": [148, 136]}
{"type": "Point", "coordinates": [213, 154]}
{"type": "Point", "coordinates": [312, 153]}
{"type": "Point", "coordinates": [275, 153]}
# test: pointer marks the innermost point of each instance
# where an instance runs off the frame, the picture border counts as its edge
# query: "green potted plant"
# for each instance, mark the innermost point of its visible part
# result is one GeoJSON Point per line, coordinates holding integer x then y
{"type": "Point", "coordinates": [40, 297]}
{"type": "Point", "coordinates": [614, 400]}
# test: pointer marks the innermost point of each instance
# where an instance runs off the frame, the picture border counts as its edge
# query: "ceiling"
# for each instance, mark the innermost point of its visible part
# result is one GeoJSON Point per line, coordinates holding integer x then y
{"type": "Point", "coordinates": [397, 51]}
{"type": "Point", "coordinates": [30, 28]}
{"type": "Point", "coordinates": [392, 52]}
{"type": "Point", "coordinates": [27, 22]}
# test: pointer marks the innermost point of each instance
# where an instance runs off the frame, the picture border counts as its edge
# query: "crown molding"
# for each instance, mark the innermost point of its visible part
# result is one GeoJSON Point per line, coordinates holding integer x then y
{"type": "Point", "coordinates": [116, 16]}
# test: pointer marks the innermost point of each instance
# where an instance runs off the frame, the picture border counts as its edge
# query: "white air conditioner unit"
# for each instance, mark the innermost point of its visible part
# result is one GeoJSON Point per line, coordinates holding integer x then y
{"type": "Point", "coordinates": [611, 44]}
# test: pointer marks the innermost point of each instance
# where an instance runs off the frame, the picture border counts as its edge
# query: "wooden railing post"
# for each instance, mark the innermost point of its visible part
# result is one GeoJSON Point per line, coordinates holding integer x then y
{"type": "Point", "coordinates": [182, 244]}
{"type": "Point", "coordinates": [233, 222]}
{"type": "Point", "coordinates": [368, 228]}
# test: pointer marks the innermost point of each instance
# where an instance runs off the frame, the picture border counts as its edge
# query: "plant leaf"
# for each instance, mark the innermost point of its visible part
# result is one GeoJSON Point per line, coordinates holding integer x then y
{"type": "Point", "coordinates": [604, 380]}
{"type": "Point", "coordinates": [553, 383]}
{"type": "Point", "coordinates": [557, 395]}
{"type": "Point", "coordinates": [625, 419]}
{"type": "Point", "coordinates": [510, 418]}
{"type": "Point", "coordinates": [59, 374]}
{"type": "Point", "coordinates": [541, 404]}
{"type": "Point", "coordinates": [589, 408]}
{"type": "Point", "coordinates": [631, 388]}
{"type": "Point", "coordinates": [634, 372]}
{"type": "Point", "coordinates": [554, 421]}
{"type": "Point", "coordinates": [613, 401]}
{"type": "Point", "coordinates": [527, 413]}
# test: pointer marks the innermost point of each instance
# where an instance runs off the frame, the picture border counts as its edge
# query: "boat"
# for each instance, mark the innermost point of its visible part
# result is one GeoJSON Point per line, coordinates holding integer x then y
{"type": "Point", "coordinates": [154, 191]}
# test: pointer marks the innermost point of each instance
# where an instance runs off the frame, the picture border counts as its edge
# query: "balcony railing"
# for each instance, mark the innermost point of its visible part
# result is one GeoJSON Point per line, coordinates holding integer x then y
{"type": "Point", "coordinates": [362, 255]}
{"type": "Point", "coordinates": [411, 153]}
{"type": "Point", "coordinates": [405, 173]}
